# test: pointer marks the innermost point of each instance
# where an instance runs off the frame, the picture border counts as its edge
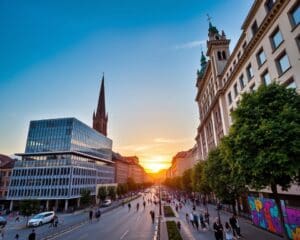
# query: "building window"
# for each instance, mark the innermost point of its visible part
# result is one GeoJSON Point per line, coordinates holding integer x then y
{"type": "Point", "coordinates": [276, 39]}
{"type": "Point", "coordinates": [244, 45]}
{"type": "Point", "coordinates": [298, 42]}
{"type": "Point", "coordinates": [254, 28]}
{"type": "Point", "coordinates": [294, 14]}
{"type": "Point", "coordinates": [224, 55]}
{"type": "Point", "coordinates": [269, 5]}
{"type": "Point", "coordinates": [242, 83]}
{"type": "Point", "coordinates": [282, 63]}
{"type": "Point", "coordinates": [229, 98]}
{"type": "Point", "coordinates": [236, 91]}
{"type": "Point", "coordinates": [219, 55]}
{"type": "Point", "coordinates": [239, 55]}
{"type": "Point", "coordinates": [261, 57]}
{"type": "Point", "coordinates": [249, 71]}
{"type": "Point", "coordinates": [265, 77]}
{"type": "Point", "coordinates": [290, 83]}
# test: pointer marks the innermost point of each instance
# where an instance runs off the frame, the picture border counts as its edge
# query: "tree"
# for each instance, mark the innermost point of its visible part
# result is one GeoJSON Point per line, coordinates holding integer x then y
{"type": "Point", "coordinates": [102, 193]}
{"type": "Point", "coordinates": [199, 181]}
{"type": "Point", "coordinates": [85, 197]}
{"type": "Point", "coordinates": [264, 140]}
{"type": "Point", "coordinates": [111, 192]}
{"type": "Point", "coordinates": [186, 180]}
{"type": "Point", "coordinates": [222, 178]}
{"type": "Point", "coordinates": [28, 207]}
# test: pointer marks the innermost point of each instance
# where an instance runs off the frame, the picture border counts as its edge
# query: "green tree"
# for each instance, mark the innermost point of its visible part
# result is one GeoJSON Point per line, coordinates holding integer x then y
{"type": "Point", "coordinates": [29, 207]}
{"type": "Point", "coordinates": [264, 140]}
{"type": "Point", "coordinates": [85, 197]}
{"type": "Point", "coordinates": [222, 178]}
{"type": "Point", "coordinates": [199, 181]}
{"type": "Point", "coordinates": [111, 192]}
{"type": "Point", "coordinates": [102, 193]}
{"type": "Point", "coordinates": [186, 180]}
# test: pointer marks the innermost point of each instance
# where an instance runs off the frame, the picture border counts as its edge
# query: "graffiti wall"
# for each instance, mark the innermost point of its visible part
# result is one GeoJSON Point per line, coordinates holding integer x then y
{"type": "Point", "coordinates": [265, 214]}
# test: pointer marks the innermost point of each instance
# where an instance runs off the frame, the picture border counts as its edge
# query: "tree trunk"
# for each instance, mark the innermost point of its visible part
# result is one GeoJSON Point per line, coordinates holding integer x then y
{"type": "Point", "coordinates": [277, 201]}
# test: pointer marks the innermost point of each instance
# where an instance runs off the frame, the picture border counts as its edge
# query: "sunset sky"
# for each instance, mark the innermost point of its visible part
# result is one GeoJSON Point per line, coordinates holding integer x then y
{"type": "Point", "coordinates": [53, 54]}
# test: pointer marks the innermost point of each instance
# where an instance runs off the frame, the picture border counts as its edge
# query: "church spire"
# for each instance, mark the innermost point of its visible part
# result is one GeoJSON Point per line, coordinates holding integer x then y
{"type": "Point", "coordinates": [100, 117]}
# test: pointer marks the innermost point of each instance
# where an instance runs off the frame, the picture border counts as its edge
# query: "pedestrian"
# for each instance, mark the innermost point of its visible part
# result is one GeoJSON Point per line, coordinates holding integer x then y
{"type": "Point", "coordinates": [192, 219]}
{"type": "Point", "coordinates": [17, 236]}
{"type": "Point", "coordinates": [144, 204]}
{"type": "Point", "coordinates": [98, 215]}
{"type": "Point", "coordinates": [187, 217]}
{"type": "Point", "coordinates": [196, 221]}
{"type": "Point", "coordinates": [178, 225]}
{"type": "Point", "coordinates": [32, 235]}
{"type": "Point", "coordinates": [228, 232]}
{"type": "Point", "coordinates": [206, 217]}
{"type": "Point", "coordinates": [137, 207]}
{"type": "Point", "coordinates": [234, 223]}
{"type": "Point", "coordinates": [152, 213]}
{"type": "Point", "coordinates": [129, 206]}
{"type": "Point", "coordinates": [202, 223]}
{"type": "Point", "coordinates": [91, 215]}
{"type": "Point", "coordinates": [218, 229]}
{"type": "Point", "coordinates": [51, 222]}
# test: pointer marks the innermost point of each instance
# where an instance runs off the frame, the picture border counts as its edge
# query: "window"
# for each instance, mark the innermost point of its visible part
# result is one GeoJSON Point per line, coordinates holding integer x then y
{"type": "Point", "coordinates": [276, 39]}
{"type": "Point", "coordinates": [269, 5]}
{"type": "Point", "coordinates": [229, 98]}
{"type": "Point", "coordinates": [249, 72]}
{"type": "Point", "coordinates": [291, 83]}
{"type": "Point", "coordinates": [265, 77]}
{"type": "Point", "coordinates": [261, 57]}
{"type": "Point", "coordinates": [219, 55]}
{"type": "Point", "coordinates": [224, 55]}
{"type": "Point", "coordinates": [294, 15]}
{"type": "Point", "coordinates": [236, 91]}
{"type": "Point", "coordinates": [282, 63]}
{"type": "Point", "coordinates": [242, 83]}
{"type": "Point", "coordinates": [239, 55]}
{"type": "Point", "coordinates": [254, 28]}
{"type": "Point", "coordinates": [252, 87]}
{"type": "Point", "coordinates": [298, 42]}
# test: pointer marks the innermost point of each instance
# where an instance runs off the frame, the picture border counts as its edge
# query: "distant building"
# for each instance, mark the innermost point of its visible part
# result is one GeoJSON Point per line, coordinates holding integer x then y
{"type": "Point", "coordinates": [182, 161]}
{"type": "Point", "coordinates": [100, 117]}
{"type": "Point", "coordinates": [6, 166]}
{"type": "Point", "coordinates": [129, 167]}
{"type": "Point", "coordinates": [62, 157]}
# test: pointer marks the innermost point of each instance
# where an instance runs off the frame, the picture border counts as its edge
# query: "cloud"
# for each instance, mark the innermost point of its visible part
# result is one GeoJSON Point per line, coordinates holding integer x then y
{"type": "Point", "coordinates": [169, 140]}
{"type": "Point", "coordinates": [139, 147]}
{"type": "Point", "coordinates": [191, 44]}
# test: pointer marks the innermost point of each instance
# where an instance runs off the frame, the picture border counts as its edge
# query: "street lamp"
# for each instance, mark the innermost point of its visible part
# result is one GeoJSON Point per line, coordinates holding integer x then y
{"type": "Point", "coordinates": [159, 200]}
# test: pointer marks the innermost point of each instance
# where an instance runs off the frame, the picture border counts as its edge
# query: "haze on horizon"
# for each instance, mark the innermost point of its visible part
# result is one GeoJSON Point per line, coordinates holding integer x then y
{"type": "Point", "coordinates": [53, 54]}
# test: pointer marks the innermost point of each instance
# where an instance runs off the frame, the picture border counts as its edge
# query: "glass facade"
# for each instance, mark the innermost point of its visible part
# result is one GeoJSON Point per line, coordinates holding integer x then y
{"type": "Point", "coordinates": [62, 157]}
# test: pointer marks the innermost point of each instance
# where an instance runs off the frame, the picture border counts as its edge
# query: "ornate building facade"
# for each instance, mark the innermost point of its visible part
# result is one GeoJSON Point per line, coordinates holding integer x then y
{"type": "Point", "coordinates": [267, 50]}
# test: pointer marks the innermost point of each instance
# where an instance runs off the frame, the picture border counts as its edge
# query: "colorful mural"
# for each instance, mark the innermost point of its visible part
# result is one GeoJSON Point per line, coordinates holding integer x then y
{"type": "Point", "coordinates": [265, 214]}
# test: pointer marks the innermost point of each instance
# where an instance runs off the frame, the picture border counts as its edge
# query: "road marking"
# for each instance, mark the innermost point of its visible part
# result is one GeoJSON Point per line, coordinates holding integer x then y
{"type": "Point", "coordinates": [124, 234]}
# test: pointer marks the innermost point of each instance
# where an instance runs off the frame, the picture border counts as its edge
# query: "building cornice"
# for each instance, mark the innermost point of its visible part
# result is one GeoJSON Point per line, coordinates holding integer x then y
{"type": "Point", "coordinates": [255, 6]}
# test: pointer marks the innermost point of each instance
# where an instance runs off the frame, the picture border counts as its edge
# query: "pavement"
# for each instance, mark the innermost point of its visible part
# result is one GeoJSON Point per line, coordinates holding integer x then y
{"type": "Point", "coordinates": [67, 221]}
{"type": "Point", "coordinates": [248, 230]}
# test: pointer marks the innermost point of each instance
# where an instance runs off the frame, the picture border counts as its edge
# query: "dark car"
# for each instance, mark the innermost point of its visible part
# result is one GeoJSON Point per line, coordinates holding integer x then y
{"type": "Point", "coordinates": [2, 221]}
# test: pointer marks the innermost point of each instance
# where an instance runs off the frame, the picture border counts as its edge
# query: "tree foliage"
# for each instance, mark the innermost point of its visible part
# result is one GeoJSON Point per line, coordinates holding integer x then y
{"type": "Point", "coordinates": [199, 180]}
{"type": "Point", "coordinates": [85, 197]}
{"type": "Point", "coordinates": [29, 207]}
{"type": "Point", "coordinates": [111, 192]}
{"type": "Point", "coordinates": [102, 193]}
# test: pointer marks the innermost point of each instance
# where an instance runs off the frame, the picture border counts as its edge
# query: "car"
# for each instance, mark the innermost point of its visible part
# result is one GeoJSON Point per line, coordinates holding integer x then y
{"type": "Point", "coordinates": [41, 219]}
{"type": "Point", "coordinates": [2, 221]}
{"type": "Point", "coordinates": [106, 203]}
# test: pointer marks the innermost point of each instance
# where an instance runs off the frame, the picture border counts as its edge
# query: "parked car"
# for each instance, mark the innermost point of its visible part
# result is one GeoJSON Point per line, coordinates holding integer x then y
{"type": "Point", "coordinates": [106, 203]}
{"type": "Point", "coordinates": [2, 221]}
{"type": "Point", "coordinates": [41, 219]}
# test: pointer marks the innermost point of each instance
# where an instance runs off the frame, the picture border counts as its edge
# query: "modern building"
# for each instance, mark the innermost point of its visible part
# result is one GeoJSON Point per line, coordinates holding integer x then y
{"type": "Point", "coordinates": [62, 157]}
{"type": "Point", "coordinates": [6, 166]}
{"type": "Point", "coordinates": [100, 118]}
{"type": "Point", "coordinates": [267, 50]}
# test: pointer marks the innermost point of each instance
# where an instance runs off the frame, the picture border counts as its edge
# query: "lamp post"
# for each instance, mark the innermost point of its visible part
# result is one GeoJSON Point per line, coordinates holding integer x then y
{"type": "Point", "coordinates": [159, 200]}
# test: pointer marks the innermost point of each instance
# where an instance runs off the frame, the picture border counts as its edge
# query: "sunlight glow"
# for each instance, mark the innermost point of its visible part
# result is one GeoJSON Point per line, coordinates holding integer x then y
{"type": "Point", "coordinates": [154, 164]}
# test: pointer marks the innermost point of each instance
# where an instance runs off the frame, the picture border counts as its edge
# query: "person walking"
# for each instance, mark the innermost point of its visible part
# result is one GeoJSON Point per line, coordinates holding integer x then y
{"type": "Point", "coordinates": [192, 219]}
{"type": "Point", "coordinates": [91, 215]}
{"type": "Point", "coordinates": [196, 221]}
{"type": "Point", "coordinates": [17, 236]}
{"type": "Point", "coordinates": [137, 207]}
{"type": "Point", "coordinates": [98, 214]}
{"type": "Point", "coordinates": [32, 235]}
{"type": "Point", "coordinates": [206, 217]}
{"type": "Point", "coordinates": [187, 218]}
{"type": "Point", "coordinates": [218, 229]}
{"type": "Point", "coordinates": [228, 232]}
{"type": "Point", "coordinates": [129, 207]}
{"type": "Point", "coordinates": [178, 225]}
{"type": "Point", "coordinates": [144, 204]}
{"type": "Point", "coordinates": [202, 223]}
{"type": "Point", "coordinates": [235, 226]}
{"type": "Point", "coordinates": [152, 213]}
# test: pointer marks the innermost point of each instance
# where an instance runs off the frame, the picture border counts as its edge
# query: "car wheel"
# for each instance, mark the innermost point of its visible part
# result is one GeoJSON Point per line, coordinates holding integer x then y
{"type": "Point", "coordinates": [40, 223]}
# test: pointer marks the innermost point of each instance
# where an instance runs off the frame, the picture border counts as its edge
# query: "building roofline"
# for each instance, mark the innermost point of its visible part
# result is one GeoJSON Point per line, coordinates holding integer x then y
{"type": "Point", "coordinates": [250, 14]}
{"type": "Point", "coordinates": [65, 152]}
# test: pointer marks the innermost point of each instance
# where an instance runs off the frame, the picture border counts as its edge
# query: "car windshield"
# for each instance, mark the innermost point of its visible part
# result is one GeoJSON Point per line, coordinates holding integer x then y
{"type": "Point", "coordinates": [39, 216]}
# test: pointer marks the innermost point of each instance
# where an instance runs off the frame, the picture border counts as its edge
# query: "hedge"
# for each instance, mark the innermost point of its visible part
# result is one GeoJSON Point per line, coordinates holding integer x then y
{"type": "Point", "coordinates": [173, 232]}
{"type": "Point", "coordinates": [168, 211]}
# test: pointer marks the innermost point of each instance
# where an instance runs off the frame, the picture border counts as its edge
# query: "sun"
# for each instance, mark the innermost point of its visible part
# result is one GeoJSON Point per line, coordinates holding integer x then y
{"type": "Point", "coordinates": [155, 163]}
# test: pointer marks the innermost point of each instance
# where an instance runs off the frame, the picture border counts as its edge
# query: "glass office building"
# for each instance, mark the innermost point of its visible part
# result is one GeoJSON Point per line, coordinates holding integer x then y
{"type": "Point", "coordinates": [62, 157]}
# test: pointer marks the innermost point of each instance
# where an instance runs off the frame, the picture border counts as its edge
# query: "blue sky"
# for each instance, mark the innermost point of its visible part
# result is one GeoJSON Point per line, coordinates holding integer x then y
{"type": "Point", "coordinates": [53, 54]}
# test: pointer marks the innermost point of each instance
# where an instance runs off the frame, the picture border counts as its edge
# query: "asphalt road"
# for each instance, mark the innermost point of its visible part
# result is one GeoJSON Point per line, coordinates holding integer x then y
{"type": "Point", "coordinates": [118, 224]}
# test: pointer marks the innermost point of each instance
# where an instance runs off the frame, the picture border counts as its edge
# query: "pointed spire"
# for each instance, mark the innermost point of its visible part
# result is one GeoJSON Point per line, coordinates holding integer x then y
{"type": "Point", "coordinates": [100, 117]}
{"type": "Point", "coordinates": [203, 59]}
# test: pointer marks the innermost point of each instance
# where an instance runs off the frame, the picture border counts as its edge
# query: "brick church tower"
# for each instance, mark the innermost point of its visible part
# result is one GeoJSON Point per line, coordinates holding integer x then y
{"type": "Point", "coordinates": [100, 118]}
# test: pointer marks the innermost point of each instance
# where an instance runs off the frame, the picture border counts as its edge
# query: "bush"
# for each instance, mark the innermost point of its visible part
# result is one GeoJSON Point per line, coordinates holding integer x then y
{"type": "Point", "coordinates": [168, 211]}
{"type": "Point", "coordinates": [173, 232]}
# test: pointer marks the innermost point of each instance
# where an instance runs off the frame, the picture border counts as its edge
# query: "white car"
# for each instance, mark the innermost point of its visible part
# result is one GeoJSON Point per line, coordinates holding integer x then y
{"type": "Point", "coordinates": [106, 203]}
{"type": "Point", "coordinates": [41, 219]}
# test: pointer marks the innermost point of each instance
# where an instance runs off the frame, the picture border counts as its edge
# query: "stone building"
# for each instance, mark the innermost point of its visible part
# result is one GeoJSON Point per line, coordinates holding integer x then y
{"type": "Point", "coordinates": [6, 166]}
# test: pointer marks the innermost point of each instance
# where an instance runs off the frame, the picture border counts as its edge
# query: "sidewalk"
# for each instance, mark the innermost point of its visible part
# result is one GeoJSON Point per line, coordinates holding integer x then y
{"type": "Point", "coordinates": [248, 230]}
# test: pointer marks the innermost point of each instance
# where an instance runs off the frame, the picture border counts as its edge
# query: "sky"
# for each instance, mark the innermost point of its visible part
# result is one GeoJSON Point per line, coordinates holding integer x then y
{"type": "Point", "coordinates": [53, 54]}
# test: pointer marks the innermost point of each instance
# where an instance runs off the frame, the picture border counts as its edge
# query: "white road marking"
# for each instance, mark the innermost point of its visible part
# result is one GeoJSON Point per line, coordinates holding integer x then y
{"type": "Point", "coordinates": [124, 234]}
